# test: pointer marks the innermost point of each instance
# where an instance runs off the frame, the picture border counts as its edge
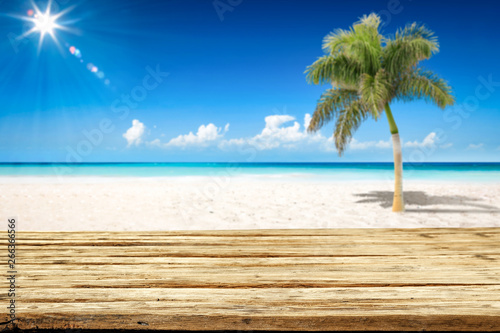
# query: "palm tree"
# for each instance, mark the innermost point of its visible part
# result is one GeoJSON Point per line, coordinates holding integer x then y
{"type": "Point", "coordinates": [367, 72]}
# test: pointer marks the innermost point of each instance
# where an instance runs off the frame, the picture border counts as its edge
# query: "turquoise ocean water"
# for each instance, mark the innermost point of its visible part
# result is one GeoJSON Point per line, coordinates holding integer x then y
{"type": "Point", "coordinates": [489, 172]}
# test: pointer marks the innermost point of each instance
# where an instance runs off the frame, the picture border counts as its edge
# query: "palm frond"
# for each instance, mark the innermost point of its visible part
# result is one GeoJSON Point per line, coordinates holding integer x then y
{"type": "Point", "coordinates": [367, 53]}
{"type": "Point", "coordinates": [375, 91]}
{"type": "Point", "coordinates": [336, 41]}
{"type": "Point", "coordinates": [424, 84]}
{"type": "Point", "coordinates": [348, 121]}
{"type": "Point", "coordinates": [409, 46]}
{"type": "Point", "coordinates": [372, 21]}
{"type": "Point", "coordinates": [340, 70]}
{"type": "Point", "coordinates": [414, 30]}
{"type": "Point", "coordinates": [329, 105]}
{"type": "Point", "coordinates": [361, 43]}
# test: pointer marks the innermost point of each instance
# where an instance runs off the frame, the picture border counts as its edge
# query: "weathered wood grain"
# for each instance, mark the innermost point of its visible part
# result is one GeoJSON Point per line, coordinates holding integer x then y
{"type": "Point", "coordinates": [314, 280]}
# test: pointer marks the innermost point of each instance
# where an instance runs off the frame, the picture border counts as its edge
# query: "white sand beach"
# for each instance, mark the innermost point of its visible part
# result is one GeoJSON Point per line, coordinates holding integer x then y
{"type": "Point", "coordinates": [205, 203]}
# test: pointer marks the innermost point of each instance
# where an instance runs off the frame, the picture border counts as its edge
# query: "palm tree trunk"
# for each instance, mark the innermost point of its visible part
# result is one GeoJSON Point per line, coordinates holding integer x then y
{"type": "Point", "coordinates": [398, 204]}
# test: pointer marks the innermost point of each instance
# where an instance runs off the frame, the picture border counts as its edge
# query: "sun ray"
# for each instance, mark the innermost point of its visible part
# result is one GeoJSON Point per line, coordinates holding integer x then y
{"type": "Point", "coordinates": [44, 23]}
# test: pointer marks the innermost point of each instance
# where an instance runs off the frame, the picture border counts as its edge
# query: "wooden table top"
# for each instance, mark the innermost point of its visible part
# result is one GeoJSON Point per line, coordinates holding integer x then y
{"type": "Point", "coordinates": [294, 279]}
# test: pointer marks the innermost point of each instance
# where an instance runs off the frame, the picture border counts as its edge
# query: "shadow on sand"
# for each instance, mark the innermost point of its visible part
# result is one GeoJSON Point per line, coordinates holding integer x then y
{"type": "Point", "coordinates": [464, 204]}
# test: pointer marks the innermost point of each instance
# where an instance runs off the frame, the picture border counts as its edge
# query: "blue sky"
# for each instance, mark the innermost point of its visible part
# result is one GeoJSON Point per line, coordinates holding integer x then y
{"type": "Point", "coordinates": [235, 88]}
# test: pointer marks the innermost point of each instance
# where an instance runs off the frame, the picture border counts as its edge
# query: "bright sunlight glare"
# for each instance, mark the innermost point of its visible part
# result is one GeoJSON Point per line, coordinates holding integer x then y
{"type": "Point", "coordinates": [45, 23]}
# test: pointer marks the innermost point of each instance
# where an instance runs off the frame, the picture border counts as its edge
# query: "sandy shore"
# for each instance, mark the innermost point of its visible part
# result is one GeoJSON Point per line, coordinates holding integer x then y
{"type": "Point", "coordinates": [239, 203]}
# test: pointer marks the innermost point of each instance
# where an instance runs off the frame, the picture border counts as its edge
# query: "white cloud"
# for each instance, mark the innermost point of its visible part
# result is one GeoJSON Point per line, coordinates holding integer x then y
{"type": "Point", "coordinates": [205, 135]}
{"type": "Point", "coordinates": [275, 121]}
{"type": "Point", "coordinates": [155, 142]}
{"type": "Point", "coordinates": [475, 146]}
{"type": "Point", "coordinates": [275, 135]}
{"type": "Point", "coordinates": [429, 140]}
{"type": "Point", "coordinates": [280, 131]}
{"type": "Point", "coordinates": [134, 134]}
{"type": "Point", "coordinates": [307, 121]}
{"type": "Point", "coordinates": [228, 144]}
{"type": "Point", "coordinates": [359, 145]}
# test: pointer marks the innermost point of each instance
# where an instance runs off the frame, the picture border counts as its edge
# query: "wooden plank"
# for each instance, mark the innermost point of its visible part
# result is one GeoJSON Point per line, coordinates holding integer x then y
{"type": "Point", "coordinates": [313, 280]}
{"type": "Point", "coordinates": [264, 232]}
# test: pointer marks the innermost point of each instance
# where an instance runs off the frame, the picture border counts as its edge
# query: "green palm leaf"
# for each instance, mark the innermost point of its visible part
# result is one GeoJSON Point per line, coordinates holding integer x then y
{"type": "Point", "coordinates": [348, 121]}
{"type": "Point", "coordinates": [375, 91]}
{"type": "Point", "coordinates": [361, 43]}
{"type": "Point", "coordinates": [410, 45]}
{"type": "Point", "coordinates": [340, 70]}
{"type": "Point", "coordinates": [331, 102]}
{"type": "Point", "coordinates": [422, 84]}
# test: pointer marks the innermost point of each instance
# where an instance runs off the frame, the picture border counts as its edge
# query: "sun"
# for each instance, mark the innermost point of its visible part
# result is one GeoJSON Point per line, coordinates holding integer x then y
{"type": "Point", "coordinates": [45, 23]}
